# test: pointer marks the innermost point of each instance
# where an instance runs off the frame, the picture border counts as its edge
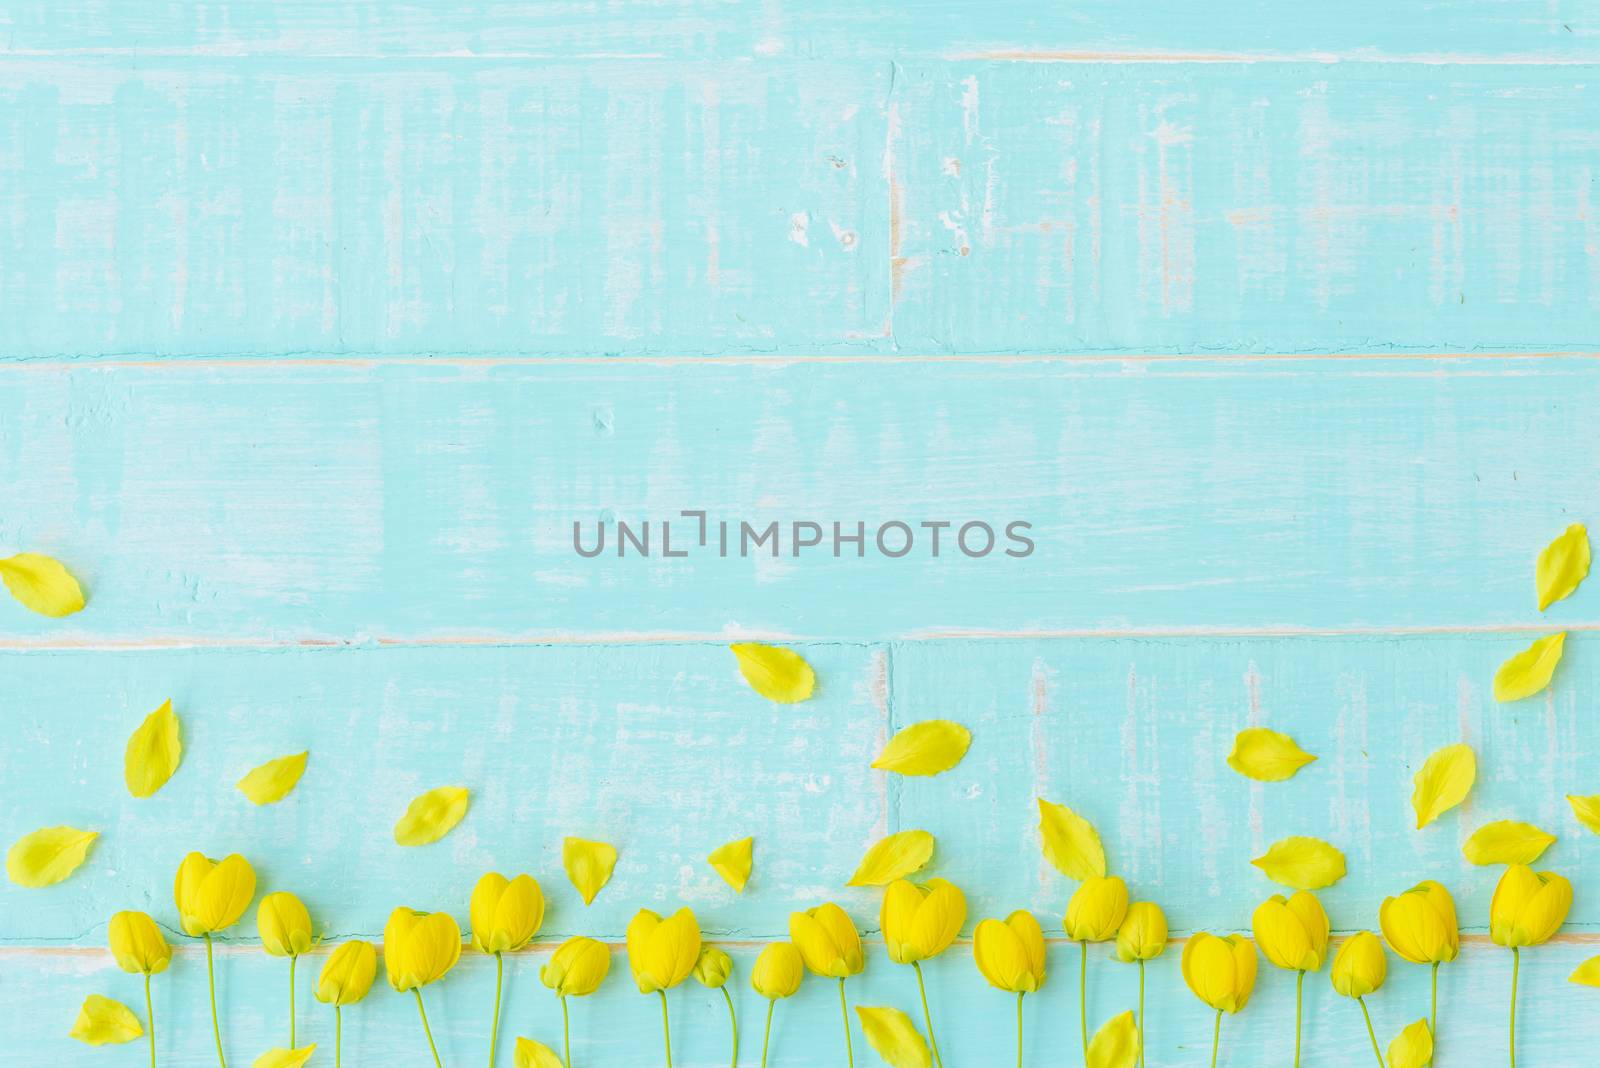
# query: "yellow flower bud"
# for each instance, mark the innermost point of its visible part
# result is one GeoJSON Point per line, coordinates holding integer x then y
{"type": "Point", "coordinates": [211, 896]}
{"type": "Point", "coordinates": [284, 923]}
{"type": "Point", "coordinates": [1528, 907]}
{"type": "Point", "coordinates": [1292, 934]}
{"type": "Point", "coordinates": [1011, 954]}
{"type": "Point", "coordinates": [1360, 966]}
{"type": "Point", "coordinates": [348, 974]}
{"type": "Point", "coordinates": [505, 914]}
{"type": "Point", "coordinates": [577, 968]}
{"type": "Point", "coordinates": [1420, 924]}
{"type": "Point", "coordinates": [419, 947]}
{"type": "Point", "coordinates": [1220, 971]}
{"type": "Point", "coordinates": [138, 944]}
{"type": "Point", "coordinates": [778, 971]}
{"type": "Point", "coordinates": [1097, 909]}
{"type": "Point", "coordinates": [827, 941]}
{"type": "Point", "coordinates": [1412, 1047]}
{"type": "Point", "coordinates": [662, 953]}
{"type": "Point", "coordinates": [713, 967]}
{"type": "Point", "coordinates": [920, 922]}
{"type": "Point", "coordinates": [1143, 934]}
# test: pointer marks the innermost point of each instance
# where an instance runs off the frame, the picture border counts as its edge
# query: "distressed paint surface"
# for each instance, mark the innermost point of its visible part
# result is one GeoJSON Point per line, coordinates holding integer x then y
{"type": "Point", "coordinates": [320, 324]}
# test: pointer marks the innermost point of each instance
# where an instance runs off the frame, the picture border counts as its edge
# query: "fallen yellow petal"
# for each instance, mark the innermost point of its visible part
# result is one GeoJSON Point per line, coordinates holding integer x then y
{"type": "Point", "coordinates": [775, 673]}
{"type": "Point", "coordinates": [1413, 1047]}
{"type": "Point", "coordinates": [1562, 565]}
{"type": "Point", "coordinates": [154, 751]}
{"type": "Point", "coordinates": [1529, 671]}
{"type": "Point", "coordinates": [531, 1054]}
{"type": "Point", "coordinates": [1302, 863]}
{"type": "Point", "coordinates": [1443, 782]}
{"type": "Point", "coordinates": [42, 584]}
{"type": "Point", "coordinates": [1116, 1044]}
{"type": "Point", "coordinates": [925, 748]}
{"type": "Point", "coordinates": [1266, 755]}
{"type": "Point", "coordinates": [1587, 809]}
{"type": "Point", "coordinates": [430, 816]}
{"type": "Point", "coordinates": [733, 861]}
{"type": "Point", "coordinates": [894, 1036]}
{"type": "Point", "coordinates": [893, 858]}
{"type": "Point", "coordinates": [1071, 843]}
{"type": "Point", "coordinates": [285, 1058]}
{"type": "Point", "coordinates": [1506, 842]}
{"type": "Point", "coordinates": [272, 781]}
{"type": "Point", "coordinates": [104, 1021]}
{"type": "Point", "coordinates": [48, 855]}
{"type": "Point", "coordinates": [588, 865]}
{"type": "Point", "coordinates": [1588, 973]}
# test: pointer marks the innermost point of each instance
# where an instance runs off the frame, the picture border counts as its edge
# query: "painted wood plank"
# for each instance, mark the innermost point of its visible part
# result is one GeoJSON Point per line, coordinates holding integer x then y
{"type": "Point", "coordinates": [719, 29]}
{"type": "Point", "coordinates": [1244, 208]}
{"type": "Point", "coordinates": [286, 502]}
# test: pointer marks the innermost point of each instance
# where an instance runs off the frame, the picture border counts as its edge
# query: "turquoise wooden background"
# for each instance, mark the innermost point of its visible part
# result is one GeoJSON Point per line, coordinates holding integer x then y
{"type": "Point", "coordinates": [320, 324]}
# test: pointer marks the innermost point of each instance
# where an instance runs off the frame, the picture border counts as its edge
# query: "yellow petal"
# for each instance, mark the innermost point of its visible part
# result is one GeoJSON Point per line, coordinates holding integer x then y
{"type": "Point", "coordinates": [272, 781]}
{"type": "Point", "coordinates": [48, 855]}
{"type": "Point", "coordinates": [1588, 973]}
{"type": "Point", "coordinates": [893, 858]}
{"type": "Point", "coordinates": [1587, 809]}
{"type": "Point", "coordinates": [1413, 1047]}
{"type": "Point", "coordinates": [1529, 671]}
{"type": "Point", "coordinates": [1070, 842]}
{"type": "Point", "coordinates": [1116, 1044]}
{"type": "Point", "coordinates": [153, 753]}
{"type": "Point", "coordinates": [1259, 753]}
{"type": "Point", "coordinates": [430, 816]}
{"type": "Point", "coordinates": [733, 861]}
{"type": "Point", "coordinates": [104, 1020]}
{"type": "Point", "coordinates": [588, 865]}
{"type": "Point", "coordinates": [285, 1058]}
{"type": "Point", "coordinates": [1443, 782]}
{"type": "Point", "coordinates": [1562, 565]}
{"type": "Point", "coordinates": [1507, 842]}
{"type": "Point", "coordinates": [777, 674]}
{"type": "Point", "coordinates": [925, 748]}
{"type": "Point", "coordinates": [894, 1036]}
{"type": "Point", "coordinates": [42, 584]}
{"type": "Point", "coordinates": [1302, 863]}
{"type": "Point", "coordinates": [531, 1054]}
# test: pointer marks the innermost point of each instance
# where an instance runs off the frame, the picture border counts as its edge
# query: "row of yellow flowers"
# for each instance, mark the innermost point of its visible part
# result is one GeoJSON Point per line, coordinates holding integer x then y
{"type": "Point", "coordinates": [918, 922]}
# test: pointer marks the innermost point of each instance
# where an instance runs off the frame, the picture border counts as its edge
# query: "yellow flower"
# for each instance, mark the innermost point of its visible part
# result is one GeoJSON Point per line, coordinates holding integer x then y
{"type": "Point", "coordinates": [419, 947]}
{"type": "Point", "coordinates": [713, 967]}
{"type": "Point", "coordinates": [348, 974]}
{"type": "Point", "coordinates": [827, 941]}
{"type": "Point", "coordinates": [505, 914]}
{"type": "Point", "coordinates": [1097, 909]}
{"type": "Point", "coordinates": [211, 896]}
{"type": "Point", "coordinates": [1420, 924]}
{"type": "Point", "coordinates": [1220, 971]}
{"type": "Point", "coordinates": [1292, 934]}
{"type": "Point", "coordinates": [1143, 934]}
{"type": "Point", "coordinates": [1011, 954]}
{"type": "Point", "coordinates": [577, 968]}
{"type": "Point", "coordinates": [920, 922]}
{"type": "Point", "coordinates": [1528, 907]}
{"type": "Point", "coordinates": [778, 971]}
{"type": "Point", "coordinates": [138, 944]}
{"type": "Point", "coordinates": [284, 923]}
{"type": "Point", "coordinates": [1360, 966]}
{"type": "Point", "coordinates": [662, 953]}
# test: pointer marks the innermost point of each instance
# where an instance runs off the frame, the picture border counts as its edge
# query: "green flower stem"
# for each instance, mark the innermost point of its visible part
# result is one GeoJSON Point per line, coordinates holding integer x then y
{"type": "Point", "coordinates": [844, 1011]}
{"type": "Point", "coordinates": [294, 959]}
{"type": "Point", "coordinates": [733, 1021]}
{"type": "Point", "coordinates": [1141, 1012]}
{"type": "Point", "coordinates": [1433, 1020]}
{"type": "Point", "coordinates": [211, 978]}
{"type": "Point", "coordinates": [927, 1018]}
{"type": "Point", "coordinates": [1216, 1038]}
{"type": "Point", "coordinates": [766, 1037]}
{"type": "Point", "coordinates": [494, 1027]}
{"type": "Point", "coordinates": [1083, 999]}
{"type": "Point", "coordinates": [666, 1029]}
{"type": "Point", "coordinates": [1019, 1031]}
{"type": "Point", "coordinates": [566, 1034]}
{"type": "Point", "coordinates": [1516, 966]}
{"type": "Point", "coordinates": [1370, 1032]}
{"type": "Point", "coordinates": [423, 1012]}
{"type": "Point", "coordinates": [338, 1036]}
{"type": "Point", "coordinates": [1299, 1000]}
{"type": "Point", "coordinates": [150, 1014]}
